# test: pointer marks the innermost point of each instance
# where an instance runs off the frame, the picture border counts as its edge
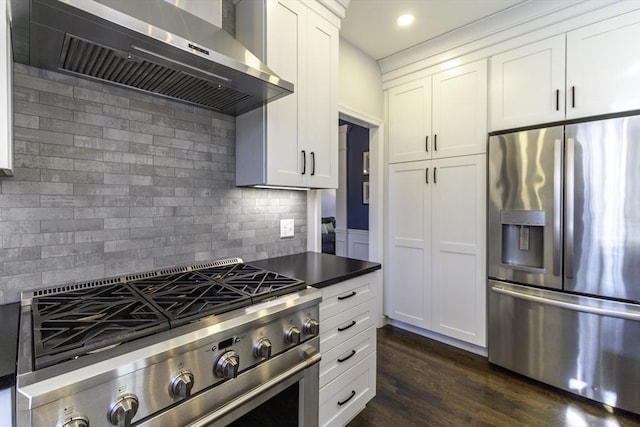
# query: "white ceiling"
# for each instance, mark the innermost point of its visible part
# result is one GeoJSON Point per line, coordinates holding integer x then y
{"type": "Point", "coordinates": [370, 25]}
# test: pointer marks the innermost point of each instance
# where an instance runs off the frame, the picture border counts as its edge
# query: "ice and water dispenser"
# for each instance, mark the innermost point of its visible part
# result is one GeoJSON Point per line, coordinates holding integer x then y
{"type": "Point", "coordinates": [523, 238]}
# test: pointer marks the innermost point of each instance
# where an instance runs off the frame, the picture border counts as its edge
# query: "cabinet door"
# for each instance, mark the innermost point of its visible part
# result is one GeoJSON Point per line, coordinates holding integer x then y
{"type": "Point", "coordinates": [321, 129]}
{"type": "Point", "coordinates": [527, 85]}
{"type": "Point", "coordinates": [460, 110]}
{"type": "Point", "coordinates": [6, 94]}
{"type": "Point", "coordinates": [603, 67]}
{"type": "Point", "coordinates": [408, 285]}
{"type": "Point", "coordinates": [285, 45]}
{"type": "Point", "coordinates": [458, 248]}
{"type": "Point", "coordinates": [409, 121]}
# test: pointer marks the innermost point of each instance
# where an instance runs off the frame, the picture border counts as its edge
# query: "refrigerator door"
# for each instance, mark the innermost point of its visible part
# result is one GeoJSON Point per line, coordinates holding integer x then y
{"type": "Point", "coordinates": [525, 207]}
{"type": "Point", "coordinates": [602, 201]}
{"type": "Point", "coordinates": [587, 346]}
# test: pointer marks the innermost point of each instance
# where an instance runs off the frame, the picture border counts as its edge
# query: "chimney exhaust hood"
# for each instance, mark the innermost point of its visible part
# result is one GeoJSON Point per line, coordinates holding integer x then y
{"type": "Point", "coordinates": [149, 45]}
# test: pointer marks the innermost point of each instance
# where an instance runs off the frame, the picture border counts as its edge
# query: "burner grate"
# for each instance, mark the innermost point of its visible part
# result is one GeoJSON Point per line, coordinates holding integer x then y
{"type": "Point", "coordinates": [73, 320]}
{"type": "Point", "coordinates": [264, 284]}
{"type": "Point", "coordinates": [222, 272]}
{"type": "Point", "coordinates": [190, 296]}
{"type": "Point", "coordinates": [75, 323]}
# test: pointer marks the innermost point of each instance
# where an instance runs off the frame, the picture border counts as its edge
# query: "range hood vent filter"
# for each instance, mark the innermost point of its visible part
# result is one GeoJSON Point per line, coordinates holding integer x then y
{"type": "Point", "coordinates": [92, 60]}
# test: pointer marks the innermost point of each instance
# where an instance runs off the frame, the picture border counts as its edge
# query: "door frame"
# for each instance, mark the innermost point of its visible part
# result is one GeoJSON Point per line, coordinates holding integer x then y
{"type": "Point", "coordinates": [377, 175]}
{"type": "Point", "coordinates": [376, 189]}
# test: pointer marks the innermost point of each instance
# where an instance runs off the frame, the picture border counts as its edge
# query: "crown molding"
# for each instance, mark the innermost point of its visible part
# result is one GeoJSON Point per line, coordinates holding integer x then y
{"type": "Point", "coordinates": [509, 24]}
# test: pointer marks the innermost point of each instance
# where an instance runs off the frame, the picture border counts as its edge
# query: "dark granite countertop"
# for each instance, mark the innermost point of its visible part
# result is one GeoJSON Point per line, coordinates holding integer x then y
{"type": "Point", "coordinates": [9, 323]}
{"type": "Point", "coordinates": [316, 269]}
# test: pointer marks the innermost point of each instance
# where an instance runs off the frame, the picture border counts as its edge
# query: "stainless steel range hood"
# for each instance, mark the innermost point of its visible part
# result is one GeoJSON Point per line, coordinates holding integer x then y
{"type": "Point", "coordinates": [149, 45]}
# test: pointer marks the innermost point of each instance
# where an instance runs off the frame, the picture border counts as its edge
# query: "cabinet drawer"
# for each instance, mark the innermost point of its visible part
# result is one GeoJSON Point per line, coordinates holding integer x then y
{"type": "Point", "coordinates": [345, 397]}
{"type": "Point", "coordinates": [341, 358]}
{"type": "Point", "coordinates": [340, 328]}
{"type": "Point", "coordinates": [345, 295]}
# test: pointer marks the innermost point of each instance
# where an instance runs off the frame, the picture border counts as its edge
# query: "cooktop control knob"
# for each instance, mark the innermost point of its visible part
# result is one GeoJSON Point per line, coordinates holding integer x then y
{"type": "Point", "coordinates": [181, 385]}
{"type": "Point", "coordinates": [311, 327]}
{"type": "Point", "coordinates": [75, 421]}
{"type": "Point", "coordinates": [262, 349]}
{"type": "Point", "coordinates": [227, 365]}
{"type": "Point", "coordinates": [292, 336]}
{"type": "Point", "coordinates": [123, 410]}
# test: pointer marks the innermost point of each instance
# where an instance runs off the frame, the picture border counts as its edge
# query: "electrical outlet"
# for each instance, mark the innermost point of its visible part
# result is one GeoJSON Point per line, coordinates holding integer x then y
{"type": "Point", "coordinates": [286, 228]}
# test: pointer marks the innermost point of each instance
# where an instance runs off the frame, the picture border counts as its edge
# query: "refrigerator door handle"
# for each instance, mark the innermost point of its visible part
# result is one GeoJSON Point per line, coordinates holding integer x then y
{"type": "Point", "coordinates": [569, 200]}
{"type": "Point", "coordinates": [557, 206]}
{"type": "Point", "coordinates": [568, 304]}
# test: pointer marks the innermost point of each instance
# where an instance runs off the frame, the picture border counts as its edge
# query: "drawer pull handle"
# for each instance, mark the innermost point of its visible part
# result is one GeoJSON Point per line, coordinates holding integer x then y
{"type": "Point", "coordinates": [344, 328]}
{"type": "Point", "coordinates": [353, 353]}
{"type": "Point", "coordinates": [353, 393]}
{"type": "Point", "coordinates": [352, 294]}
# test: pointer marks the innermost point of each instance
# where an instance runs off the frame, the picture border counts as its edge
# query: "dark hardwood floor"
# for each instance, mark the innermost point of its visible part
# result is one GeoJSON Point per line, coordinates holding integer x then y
{"type": "Point", "coordinates": [422, 382]}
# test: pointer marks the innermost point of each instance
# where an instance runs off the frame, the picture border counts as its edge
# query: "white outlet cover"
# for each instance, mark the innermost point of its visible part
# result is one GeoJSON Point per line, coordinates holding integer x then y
{"type": "Point", "coordinates": [286, 228]}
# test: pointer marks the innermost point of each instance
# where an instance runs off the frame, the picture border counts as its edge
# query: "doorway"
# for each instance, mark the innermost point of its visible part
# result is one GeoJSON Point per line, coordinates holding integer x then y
{"type": "Point", "coordinates": [345, 211]}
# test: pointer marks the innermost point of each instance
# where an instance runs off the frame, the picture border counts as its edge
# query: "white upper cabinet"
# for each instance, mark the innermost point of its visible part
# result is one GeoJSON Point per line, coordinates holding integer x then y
{"type": "Point", "coordinates": [285, 46]}
{"type": "Point", "coordinates": [321, 137]}
{"type": "Point", "coordinates": [409, 119]}
{"type": "Point", "coordinates": [527, 85]}
{"type": "Point", "coordinates": [6, 93]}
{"type": "Point", "coordinates": [600, 65]}
{"type": "Point", "coordinates": [603, 67]}
{"type": "Point", "coordinates": [442, 115]}
{"type": "Point", "coordinates": [460, 110]}
{"type": "Point", "coordinates": [293, 141]}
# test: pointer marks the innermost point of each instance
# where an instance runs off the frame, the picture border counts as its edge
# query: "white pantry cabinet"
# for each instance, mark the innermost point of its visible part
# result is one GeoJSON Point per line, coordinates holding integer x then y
{"type": "Point", "coordinates": [409, 121]}
{"type": "Point", "coordinates": [408, 265]}
{"type": "Point", "coordinates": [439, 116]}
{"type": "Point", "coordinates": [586, 72]}
{"type": "Point", "coordinates": [348, 346]}
{"type": "Point", "coordinates": [6, 93]}
{"type": "Point", "coordinates": [458, 284]}
{"type": "Point", "coordinates": [436, 250]}
{"type": "Point", "coordinates": [293, 141]}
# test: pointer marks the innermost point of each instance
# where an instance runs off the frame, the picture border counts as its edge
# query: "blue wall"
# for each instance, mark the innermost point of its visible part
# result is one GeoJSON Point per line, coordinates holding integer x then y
{"type": "Point", "coordinates": [357, 143]}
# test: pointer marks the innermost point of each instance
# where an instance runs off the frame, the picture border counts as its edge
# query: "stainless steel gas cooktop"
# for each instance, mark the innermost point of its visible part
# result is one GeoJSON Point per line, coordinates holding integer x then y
{"type": "Point", "coordinates": [145, 348]}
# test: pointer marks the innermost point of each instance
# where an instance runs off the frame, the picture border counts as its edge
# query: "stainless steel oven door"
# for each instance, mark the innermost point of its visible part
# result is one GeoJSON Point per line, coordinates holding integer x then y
{"type": "Point", "coordinates": [293, 374]}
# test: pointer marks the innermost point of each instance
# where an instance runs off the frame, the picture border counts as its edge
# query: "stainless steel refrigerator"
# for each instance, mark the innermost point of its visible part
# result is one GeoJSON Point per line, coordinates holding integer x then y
{"type": "Point", "coordinates": [564, 257]}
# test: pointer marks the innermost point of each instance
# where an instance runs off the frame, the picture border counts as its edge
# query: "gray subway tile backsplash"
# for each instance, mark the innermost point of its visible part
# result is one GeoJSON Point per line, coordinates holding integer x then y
{"type": "Point", "coordinates": [110, 181]}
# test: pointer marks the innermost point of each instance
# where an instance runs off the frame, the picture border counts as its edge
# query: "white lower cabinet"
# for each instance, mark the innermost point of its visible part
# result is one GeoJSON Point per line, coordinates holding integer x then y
{"type": "Point", "coordinates": [343, 399]}
{"type": "Point", "coordinates": [348, 347]}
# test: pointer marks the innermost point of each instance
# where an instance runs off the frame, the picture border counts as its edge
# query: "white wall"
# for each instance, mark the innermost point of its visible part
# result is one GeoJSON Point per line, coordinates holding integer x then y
{"type": "Point", "coordinates": [360, 84]}
{"type": "Point", "coordinates": [328, 203]}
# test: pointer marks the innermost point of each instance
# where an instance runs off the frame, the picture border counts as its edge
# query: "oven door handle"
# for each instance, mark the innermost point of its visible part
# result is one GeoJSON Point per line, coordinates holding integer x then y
{"type": "Point", "coordinates": [310, 360]}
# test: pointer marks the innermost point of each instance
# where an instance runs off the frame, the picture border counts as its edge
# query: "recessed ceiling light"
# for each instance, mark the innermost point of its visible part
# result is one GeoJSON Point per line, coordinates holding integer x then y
{"type": "Point", "coordinates": [405, 20]}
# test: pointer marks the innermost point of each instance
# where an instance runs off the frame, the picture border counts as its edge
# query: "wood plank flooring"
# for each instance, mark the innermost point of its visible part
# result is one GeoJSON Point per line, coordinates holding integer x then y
{"type": "Point", "coordinates": [421, 382]}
